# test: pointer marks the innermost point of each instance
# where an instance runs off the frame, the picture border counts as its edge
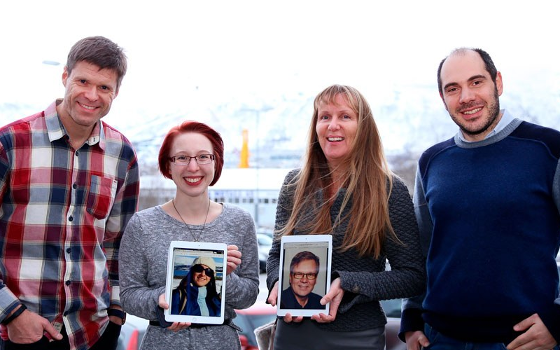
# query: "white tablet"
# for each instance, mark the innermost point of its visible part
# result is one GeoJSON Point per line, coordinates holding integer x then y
{"type": "Point", "coordinates": [196, 282]}
{"type": "Point", "coordinates": [305, 274]}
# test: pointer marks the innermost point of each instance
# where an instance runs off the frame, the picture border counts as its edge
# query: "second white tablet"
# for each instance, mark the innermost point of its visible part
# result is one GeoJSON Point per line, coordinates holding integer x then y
{"type": "Point", "coordinates": [305, 274]}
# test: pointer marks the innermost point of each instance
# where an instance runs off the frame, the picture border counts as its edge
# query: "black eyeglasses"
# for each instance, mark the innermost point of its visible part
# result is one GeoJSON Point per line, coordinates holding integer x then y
{"type": "Point", "coordinates": [185, 160]}
{"type": "Point", "coordinates": [199, 268]}
{"type": "Point", "coordinates": [300, 275]}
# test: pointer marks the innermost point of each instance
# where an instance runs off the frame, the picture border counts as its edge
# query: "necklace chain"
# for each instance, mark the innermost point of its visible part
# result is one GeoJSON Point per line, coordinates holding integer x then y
{"type": "Point", "coordinates": [196, 237]}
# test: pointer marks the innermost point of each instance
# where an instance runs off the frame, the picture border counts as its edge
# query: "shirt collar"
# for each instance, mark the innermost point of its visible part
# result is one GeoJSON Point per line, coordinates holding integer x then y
{"type": "Point", "coordinates": [56, 130]}
{"type": "Point", "coordinates": [504, 121]}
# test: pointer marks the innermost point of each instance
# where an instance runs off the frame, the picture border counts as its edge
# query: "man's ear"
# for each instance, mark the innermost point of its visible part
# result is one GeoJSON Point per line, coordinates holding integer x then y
{"type": "Point", "coordinates": [65, 75]}
{"type": "Point", "coordinates": [499, 84]}
{"type": "Point", "coordinates": [443, 100]}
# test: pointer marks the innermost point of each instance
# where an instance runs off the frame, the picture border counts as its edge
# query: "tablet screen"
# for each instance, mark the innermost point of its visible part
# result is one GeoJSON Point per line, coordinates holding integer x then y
{"type": "Point", "coordinates": [305, 270]}
{"type": "Point", "coordinates": [196, 282]}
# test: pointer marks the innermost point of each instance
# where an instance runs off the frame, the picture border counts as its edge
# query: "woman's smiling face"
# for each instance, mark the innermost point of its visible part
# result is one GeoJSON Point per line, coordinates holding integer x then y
{"type": "Point", "coordinates": [200, 278]}
{"type": "Point", "coordinates": [193, 178]}
{"type": "Point", "coordinates": [336, 129]}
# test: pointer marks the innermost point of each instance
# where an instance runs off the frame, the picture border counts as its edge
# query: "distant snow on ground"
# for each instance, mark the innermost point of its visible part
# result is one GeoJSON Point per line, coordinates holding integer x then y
{"type": "Point", "coordinates": [410, 119]}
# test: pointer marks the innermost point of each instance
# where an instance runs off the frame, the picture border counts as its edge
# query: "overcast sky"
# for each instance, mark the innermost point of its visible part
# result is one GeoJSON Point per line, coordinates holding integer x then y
{"type": "Point", "coordinates": [198, 53]}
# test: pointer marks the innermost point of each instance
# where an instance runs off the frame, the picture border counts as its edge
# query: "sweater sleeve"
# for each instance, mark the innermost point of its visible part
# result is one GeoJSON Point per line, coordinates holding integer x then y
{"type": "Point", "coordinates": [552, 319]}
{"type": "Point", "coordinates": [411, 319]}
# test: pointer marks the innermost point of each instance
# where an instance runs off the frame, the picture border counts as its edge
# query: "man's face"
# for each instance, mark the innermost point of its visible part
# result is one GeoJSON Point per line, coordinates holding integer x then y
{"type": "Point", "coordinates": [469, 94]}
{"type": "Point", "coordinates": [303, 286]}
{"type": "Point", "coordinates": [89, 95]}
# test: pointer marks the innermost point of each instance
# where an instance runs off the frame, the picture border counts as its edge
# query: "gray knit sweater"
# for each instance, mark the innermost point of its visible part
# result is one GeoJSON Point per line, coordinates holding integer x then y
{"type": "Point", "coordinates": [364, 279]}
{"type": "Point", "coordinates": [143, 266]}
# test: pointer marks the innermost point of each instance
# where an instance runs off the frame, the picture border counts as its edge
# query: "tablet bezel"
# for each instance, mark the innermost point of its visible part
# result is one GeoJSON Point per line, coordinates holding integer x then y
{"type": "Point", "coordinates": [320, 245]}
{"type": "Point", "coordinates": [196, 249]}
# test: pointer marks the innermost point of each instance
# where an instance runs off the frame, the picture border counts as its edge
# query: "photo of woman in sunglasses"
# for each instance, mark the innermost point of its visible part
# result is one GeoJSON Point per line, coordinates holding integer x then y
{"type": "Point", "coordinates": [196, 294]}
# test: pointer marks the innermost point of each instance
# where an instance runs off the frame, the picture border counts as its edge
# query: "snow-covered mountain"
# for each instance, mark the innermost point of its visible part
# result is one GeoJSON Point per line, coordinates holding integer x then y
{"type": "Point", "coordinates": [410, 119]}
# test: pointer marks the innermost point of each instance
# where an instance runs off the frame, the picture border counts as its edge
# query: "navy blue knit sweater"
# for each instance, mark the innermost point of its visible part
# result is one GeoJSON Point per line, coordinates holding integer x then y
{"type": "Point", "coordinates": [491, 212]}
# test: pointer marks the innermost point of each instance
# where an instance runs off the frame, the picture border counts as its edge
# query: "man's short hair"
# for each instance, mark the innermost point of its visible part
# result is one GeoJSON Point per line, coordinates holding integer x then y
{"type": "Point", "coordinates": [488, 64]}
{"type": "Point", "coordinates": [101, 52]}
{"type": "Point", "coordinates": [301, 256]}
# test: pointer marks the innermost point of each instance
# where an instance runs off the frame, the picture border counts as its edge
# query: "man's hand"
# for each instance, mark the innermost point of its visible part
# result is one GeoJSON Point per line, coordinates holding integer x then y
{"type": "Point", "coordinates": [334, 296]}
{"type": "Point", "coordinates": [115, 319]}
{"type": "Point", "coordinates": [536, 336]}
{"type": "Point", "coordinates": [416, 340]}
{"type": "Point", "coordinates": [29, 328]}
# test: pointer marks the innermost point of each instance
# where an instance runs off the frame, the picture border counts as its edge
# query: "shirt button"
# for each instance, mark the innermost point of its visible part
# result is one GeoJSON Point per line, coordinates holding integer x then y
{"type": "Point", "coordinates": [68, 250]}
{"type": "Point", "coordinates": [74, 186]}
{"type": "Point", "coordinates": [77, 153]}
{"type": "Point", "coordinates": [68, 283]}
{"type": "Point", "coordinates": [71, 218]}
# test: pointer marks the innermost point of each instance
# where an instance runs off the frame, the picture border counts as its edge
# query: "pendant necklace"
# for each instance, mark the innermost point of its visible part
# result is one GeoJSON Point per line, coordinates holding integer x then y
{"type": "Point", "coordinates": [197, 237]}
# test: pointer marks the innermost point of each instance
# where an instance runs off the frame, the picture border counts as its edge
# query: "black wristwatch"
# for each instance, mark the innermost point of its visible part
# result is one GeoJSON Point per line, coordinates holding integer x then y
{"type": "Point", "coordinates": [118, 313]}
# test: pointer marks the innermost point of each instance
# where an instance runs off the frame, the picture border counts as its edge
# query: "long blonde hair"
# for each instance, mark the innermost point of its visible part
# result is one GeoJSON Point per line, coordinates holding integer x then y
{"type": "Point", "coordinates": [367, 179]}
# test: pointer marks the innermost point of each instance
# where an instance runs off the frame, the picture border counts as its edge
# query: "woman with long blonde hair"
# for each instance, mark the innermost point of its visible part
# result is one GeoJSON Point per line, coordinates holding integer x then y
{"type": "Point", "coordinates": [345, 189]}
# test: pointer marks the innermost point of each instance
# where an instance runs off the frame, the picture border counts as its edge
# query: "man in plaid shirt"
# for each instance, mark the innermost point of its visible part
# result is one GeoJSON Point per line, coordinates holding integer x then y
{"type": "Point", "coordinates": [69, 183]}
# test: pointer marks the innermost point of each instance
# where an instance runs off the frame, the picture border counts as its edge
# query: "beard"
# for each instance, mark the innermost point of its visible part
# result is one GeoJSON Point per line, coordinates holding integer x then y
{"type": "Point", "coordinates": [493, 113]}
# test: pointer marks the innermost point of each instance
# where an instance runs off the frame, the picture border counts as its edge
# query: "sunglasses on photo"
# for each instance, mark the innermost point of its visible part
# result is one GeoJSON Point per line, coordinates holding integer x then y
{"type": "Point", "coordinates": [199, 268]}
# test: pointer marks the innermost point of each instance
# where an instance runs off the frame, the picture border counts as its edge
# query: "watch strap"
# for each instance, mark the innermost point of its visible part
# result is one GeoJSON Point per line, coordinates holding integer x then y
{"type": "Point", "coordinates": [14, 315]}
{"type": "Point", "coordinates": [118, 313]}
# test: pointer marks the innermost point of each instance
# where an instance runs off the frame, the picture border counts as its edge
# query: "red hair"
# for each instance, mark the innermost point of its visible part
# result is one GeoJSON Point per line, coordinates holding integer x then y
{"type": "Point", "coordinates": [191, 126]}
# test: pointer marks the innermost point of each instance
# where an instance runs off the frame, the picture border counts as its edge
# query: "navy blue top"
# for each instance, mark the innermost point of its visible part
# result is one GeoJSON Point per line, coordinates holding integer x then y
{"type": "Point", "coordinates": [289, 301]}
{"type": "Point", "coordinates": [189, 300]}
{"type": "Point", "coordinates": [489, 220]}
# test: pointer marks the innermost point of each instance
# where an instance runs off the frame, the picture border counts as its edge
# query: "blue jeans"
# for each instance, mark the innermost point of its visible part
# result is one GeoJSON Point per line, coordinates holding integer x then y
{"type": "Point", "coordinates": [439, 341]}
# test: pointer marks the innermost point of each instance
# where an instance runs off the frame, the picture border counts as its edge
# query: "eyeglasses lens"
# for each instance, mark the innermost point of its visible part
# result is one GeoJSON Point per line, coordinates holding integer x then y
{"type": "Point", "coordinates": [300, 275]}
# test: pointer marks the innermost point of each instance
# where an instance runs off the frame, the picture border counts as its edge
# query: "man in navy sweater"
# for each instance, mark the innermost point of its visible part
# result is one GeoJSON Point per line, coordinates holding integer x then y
{"type": "Point", "coordinates": [488, 207]}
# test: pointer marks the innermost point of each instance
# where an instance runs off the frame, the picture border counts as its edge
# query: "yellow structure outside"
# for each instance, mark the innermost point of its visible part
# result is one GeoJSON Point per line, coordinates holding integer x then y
{"type": "Point", "coordinates": [244, 156]}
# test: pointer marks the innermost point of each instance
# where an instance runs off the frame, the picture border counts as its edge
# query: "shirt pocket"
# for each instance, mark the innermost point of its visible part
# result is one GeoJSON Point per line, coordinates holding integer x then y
{"type": "Point", "coordinates": [101, 196]}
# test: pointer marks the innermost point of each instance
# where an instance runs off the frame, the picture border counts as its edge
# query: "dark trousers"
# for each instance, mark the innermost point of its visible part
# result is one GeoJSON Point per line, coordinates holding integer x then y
{"type": "Point", "coordinates": [108, 341]}
{"type": "Point", "coordinates": [439, 341]}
